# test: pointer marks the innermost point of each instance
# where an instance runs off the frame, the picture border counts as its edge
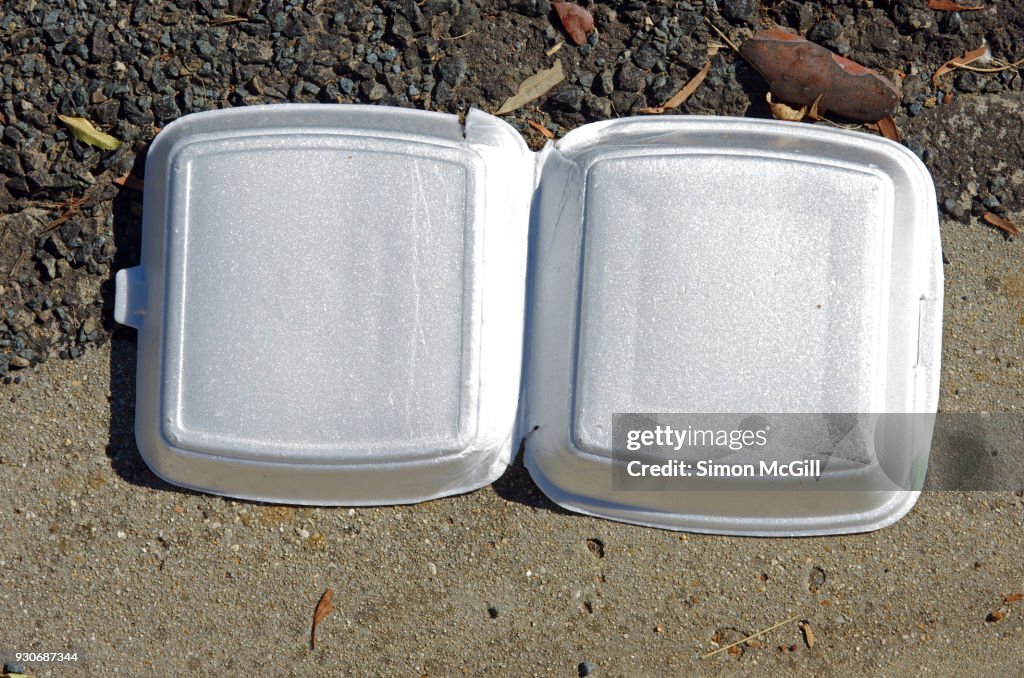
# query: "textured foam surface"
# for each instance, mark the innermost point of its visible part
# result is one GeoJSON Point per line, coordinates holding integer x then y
{"type": "Point", "coordinates": [316, 314]}
{"type": "Point", "coordinates": [693, 301]}
{"type": "Point", "coordinates": [706, 265]}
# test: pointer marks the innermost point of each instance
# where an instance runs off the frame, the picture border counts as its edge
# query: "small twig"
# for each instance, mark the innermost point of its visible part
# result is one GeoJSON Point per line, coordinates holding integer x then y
{"type": "Point", "coordinates": [458, 37]}
{"type": "Point", "coordinates": [750, 637]}
{"type": "Point", "coordinates": [680, 97]}
{"type": "Point", "coordinates": [723, 36]}
{"type": "Point", "coordinates": [972, 56]}
{"type": "Point", "coordinates": [71, 208]}
{"type": "Point", "coordinates": [49, 204]}
{"type": "Point", "coordinates": [18, 264]}
{"type": "Point", "coordinates": [839, 124]}
{"type": "Point", "coordinates": [545, 132]}
{"type": "Point", "coordinates": [998, 69]}
{"type": "Point", "coordinates": [554, 50]}
{"type": "Point", "coordinates": [229, 19]}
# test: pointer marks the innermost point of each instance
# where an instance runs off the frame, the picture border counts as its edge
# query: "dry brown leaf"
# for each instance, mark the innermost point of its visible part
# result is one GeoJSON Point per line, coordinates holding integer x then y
{"type": "Point", "coordinates": [952, 64]}
{"type": "Point", "coordinates": [781, 111]}
{"type": "Point", "coordinates": [949, 6]}
{"type": "Point", "coordinates": [1002, 223]}
{"type": "Point", "coordinates": [814, 113]}
{"type": "Point", "coordinates": [798, 71]}
{"type": "Point", "coordinates": [545, 132]}
{"type": "Point", "coordinates": [1014, 598]}
{"type": "Point", "coordinates": [130, 181]}
{"type": "Point", "coordinates": [323, 608]}
{"type": "Point", "coordinates": [534, 86]}
{"type": "Point", "coordinates": [887, 128]}
{"type": "Point", "coordinates": [680, 97]}
{"type": "Point", "coordinates": [578, 22]}
{"type": "Point", "coordinates": [808, 634]}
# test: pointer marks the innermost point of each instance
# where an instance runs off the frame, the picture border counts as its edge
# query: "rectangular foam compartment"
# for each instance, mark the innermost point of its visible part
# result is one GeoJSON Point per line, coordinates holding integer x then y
{"type": "Point", "coordinates": [708, 266]}
{"type": "Point", "coordinates": [330, 303]}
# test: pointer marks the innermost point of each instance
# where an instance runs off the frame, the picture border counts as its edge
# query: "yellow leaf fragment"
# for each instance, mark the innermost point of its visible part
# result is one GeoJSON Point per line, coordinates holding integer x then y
{"type": "Point", "coordinates": [83, 130]}
{"type": "Point", "coordinates": [533, 87]}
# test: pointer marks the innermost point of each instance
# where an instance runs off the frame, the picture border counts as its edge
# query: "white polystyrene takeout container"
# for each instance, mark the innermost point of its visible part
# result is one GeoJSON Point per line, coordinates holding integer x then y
{"type": "Point", "coordinates": [330, 302]}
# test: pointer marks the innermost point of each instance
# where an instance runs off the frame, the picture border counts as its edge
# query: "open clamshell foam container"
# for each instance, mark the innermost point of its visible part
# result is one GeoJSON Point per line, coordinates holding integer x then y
{"type": "Point", "coordinates": [330, 303]}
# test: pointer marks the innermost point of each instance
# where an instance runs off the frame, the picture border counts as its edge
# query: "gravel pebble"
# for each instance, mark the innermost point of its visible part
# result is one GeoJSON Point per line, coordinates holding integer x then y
{"type": "Point", "coordinates": [630, 78]}
{"type": "Point", "coordinates": [568, 99]}
{"type": "Point", "coordinates": [452, 70]}
{"type": "Point", "coordinates": [742, 11]}
{"type": "Point", "coordinates": [598, 107]}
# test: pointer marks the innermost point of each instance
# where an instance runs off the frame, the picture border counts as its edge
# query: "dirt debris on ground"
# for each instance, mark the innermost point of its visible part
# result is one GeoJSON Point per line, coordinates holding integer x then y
{"type": "Point", "coordinates": [150, 579]}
